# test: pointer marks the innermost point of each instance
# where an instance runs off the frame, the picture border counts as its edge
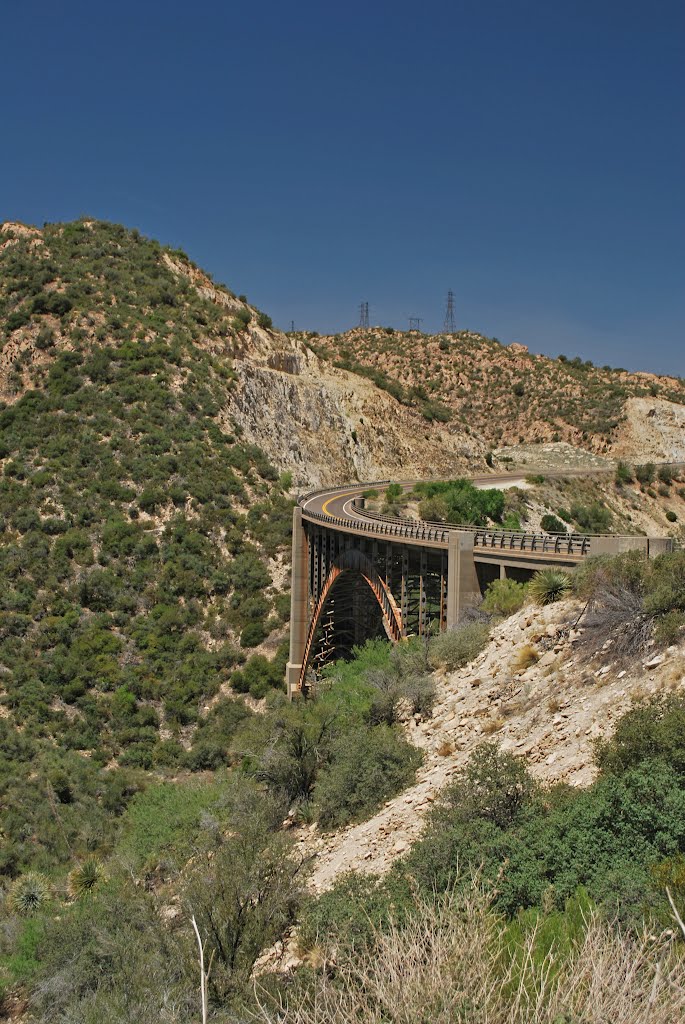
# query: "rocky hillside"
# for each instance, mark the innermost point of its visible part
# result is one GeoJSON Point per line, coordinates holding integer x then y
{"type": "Point", "coordinates": [534, 693]}
{"type": "Point", "coordinates": [88, 285]}
{"type": "Point", "coordinates": [507, 395]}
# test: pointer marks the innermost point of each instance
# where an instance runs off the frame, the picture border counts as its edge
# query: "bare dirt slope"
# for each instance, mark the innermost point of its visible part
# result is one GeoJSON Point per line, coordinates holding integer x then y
{"type": "Point", "coordinates": [550, 714]}
{"type": "Point", "coordinates": [654, 428]}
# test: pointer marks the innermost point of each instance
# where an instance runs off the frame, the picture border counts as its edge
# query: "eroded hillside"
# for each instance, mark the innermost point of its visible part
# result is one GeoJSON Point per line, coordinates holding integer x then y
{"type": "Point", "coordinates": [535, 693]}
{"type": "Point", "coordinates": [84, 286]}
{"type": "Point", "coordinates": [508, 395]}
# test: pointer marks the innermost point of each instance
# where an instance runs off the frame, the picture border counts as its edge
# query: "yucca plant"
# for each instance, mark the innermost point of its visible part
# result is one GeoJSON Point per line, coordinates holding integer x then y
{"type": "Point", "coordinates": [29, 893]}
{"type": "Point", "coordinates": [85, 877]}
{"type": "Point", "coordinates": [549, 585]}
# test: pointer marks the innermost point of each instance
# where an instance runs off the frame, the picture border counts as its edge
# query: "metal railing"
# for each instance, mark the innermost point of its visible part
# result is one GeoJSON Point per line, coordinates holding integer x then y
{"type": "Point", "coordinates": [575, 544]}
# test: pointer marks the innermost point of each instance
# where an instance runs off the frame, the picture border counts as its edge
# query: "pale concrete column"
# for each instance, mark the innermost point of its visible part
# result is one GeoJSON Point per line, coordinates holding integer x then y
{"type": "Point", "coordinates": [463, 589]}
{"type": "Point", "coordinates": [299, 612]}
{"type": "Point", "coordinates": [502, 571]}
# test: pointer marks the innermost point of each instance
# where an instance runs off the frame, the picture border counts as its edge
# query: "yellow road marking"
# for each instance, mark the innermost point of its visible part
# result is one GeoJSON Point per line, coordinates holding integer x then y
{"type": "Point", "coordinates": [345, 494]}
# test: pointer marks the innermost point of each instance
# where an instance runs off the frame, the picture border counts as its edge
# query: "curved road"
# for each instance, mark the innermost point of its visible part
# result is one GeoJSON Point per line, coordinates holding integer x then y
{"type": "Point", "coordinates": [336, 507]}
{"type": "Point", "coordinates": [337, 502]}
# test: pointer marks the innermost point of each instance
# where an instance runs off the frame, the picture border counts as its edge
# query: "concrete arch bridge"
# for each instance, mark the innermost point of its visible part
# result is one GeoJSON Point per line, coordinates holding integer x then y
{"type": "Point", "coordinates": [358, 574]}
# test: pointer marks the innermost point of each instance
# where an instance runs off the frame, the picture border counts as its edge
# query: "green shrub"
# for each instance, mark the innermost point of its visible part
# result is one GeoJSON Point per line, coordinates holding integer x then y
{"type": "Point", "coordinates": [164, 821]}
{"type": "Point", "coordinates": [550, 524]}
{"type": "Point", "coordinates": [464, 502]}
{"type": "Point", "coordinates": [669, 628]}
{"type": "Point", "coordinates": [653, 729]}
{"type": "Point", "coordinates": [624, 473]}
{"type": "Point", "coordinates": [549, 585]}
{"type": "Point", "coordinates": [84, 877]}
{"type": "Point", "coordinates": [494, 786]}
{"type": "Point", "coordinates": [646, 473]}
{"type": "Point", "coordinates": [671, 516]}
{"type": "Point", "coordinates": [512, 521]}
{"type": "Point", "coordinates": [456, 647]}
{"type": "Point", "coordinates": [594, 518]}
{"type": "Point", "coordinates": [504, 597]}
{"type": "Point", "coordinates": [366, 768]}
{"type": "Point", "coordinates": [29, 893]}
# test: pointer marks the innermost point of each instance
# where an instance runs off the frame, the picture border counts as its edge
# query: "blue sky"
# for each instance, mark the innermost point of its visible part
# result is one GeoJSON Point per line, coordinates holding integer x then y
{"type": "Point", "coordinates": [528, 154]}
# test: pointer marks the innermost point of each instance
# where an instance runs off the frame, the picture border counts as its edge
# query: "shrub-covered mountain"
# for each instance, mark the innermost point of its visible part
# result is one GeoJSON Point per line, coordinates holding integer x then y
{"type": "Point", "coordinates": [508, 395]}
{"type": "Point", "coordinates": [142, 540]}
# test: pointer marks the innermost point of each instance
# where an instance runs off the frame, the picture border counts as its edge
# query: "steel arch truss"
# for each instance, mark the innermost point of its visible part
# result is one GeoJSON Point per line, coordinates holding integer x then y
{"type": "Point", "coordinates": [347, 563]}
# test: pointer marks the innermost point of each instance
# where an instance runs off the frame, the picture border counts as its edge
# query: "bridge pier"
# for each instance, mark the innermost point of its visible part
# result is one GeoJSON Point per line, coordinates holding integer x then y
{"type": "Point", "coordinates": [299, 595]}
{"type": "Point", "coordinates": [463, 589]}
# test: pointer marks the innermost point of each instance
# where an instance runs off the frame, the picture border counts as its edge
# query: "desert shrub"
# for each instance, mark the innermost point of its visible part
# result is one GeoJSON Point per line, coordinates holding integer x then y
{"type": "Point", "coordinates": [29, 893]}
{"type": "Point", "coordinates": [594, 518]}
{"type": "Point", "coordinates": [671, 516]}
{"type": "Point", "coordinates": [465, 503]}
{"type": "Point", "coordinates": [290, 763]}
{"type": "Point", "coordinates": [241, 320]}
{"type": "Point", "coordinates": [646, 473]}
{"type": "Point", "coordinates": [653, 729]}
{"type": "Point", "coordinates": [549, 585]}
{"type": "Point", "coordinates": [504, 597]}
{"type": "Point", "coordinates": [434, 411]}
{"type": "Point", "coordinates": [253, 634]}
{"type": "Point", "coordinates": [494, 786]}
{"type": "Point", "coordinates": [126, 968]}
{"type": "Point", "coordinates": [365, 769]}
{"type": "Point", "coordinates": [243, 899]}
{"type": "Point", "coordinates": [393, 677]}
{"type": "Point", "coordinates": [85, 877]}
{"type": "Point", "coordinates": [526, 656]}
{"type": "Point", "coordinates": [550, 524]}
{"type": "Point", "coordinates": [350, 916]}
{"type": "Point", "coordinates": [624, 473]}
{"type": "Point", "coordinates": [456, 647]}
{"type": "Point", "coordinates": [434, 510]}
{"type": "Point", "coordinates": [669, 628]}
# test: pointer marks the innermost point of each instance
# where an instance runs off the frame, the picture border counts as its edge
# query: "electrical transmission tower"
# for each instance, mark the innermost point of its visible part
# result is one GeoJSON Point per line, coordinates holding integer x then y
{"type": "Point", "coordinates": [415, 323]}
{"type": "Point", "coordinates": [449, 325]}
{"type": "Point", "coordinates": [363, 314]}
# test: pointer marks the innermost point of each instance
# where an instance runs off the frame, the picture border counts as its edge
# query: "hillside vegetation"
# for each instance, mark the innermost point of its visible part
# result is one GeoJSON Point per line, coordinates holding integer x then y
{"type": "Point", "coordinates": [144, 550]}
{"type": "Point", "coordinates": [138, 529]}
{"type": "Point", "coordinates": [504, 393]}
{"type": "Point", "coordinates": [152, 772]}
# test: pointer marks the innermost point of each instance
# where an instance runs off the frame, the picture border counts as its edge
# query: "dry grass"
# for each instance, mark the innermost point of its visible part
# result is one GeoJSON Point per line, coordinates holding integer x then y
{"type": "Point", "coordinates": [448, 966]}
{"type": "Point", "coordinates": [527, 656]}
{"type": "Point", "coordinates": [616, 623]}
{"type": "Point", "coordinates": [493, 725]}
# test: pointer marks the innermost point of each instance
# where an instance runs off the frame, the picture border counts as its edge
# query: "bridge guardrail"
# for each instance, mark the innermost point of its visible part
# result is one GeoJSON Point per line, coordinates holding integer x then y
{"type": "Point", "coordinates": [563, 544]}
{"type": "Point", "coordinates": [513, 540]}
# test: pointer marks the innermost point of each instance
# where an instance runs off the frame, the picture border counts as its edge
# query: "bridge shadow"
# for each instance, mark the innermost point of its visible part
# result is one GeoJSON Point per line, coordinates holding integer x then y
{"type": "Point", "coordinates": [350, 616]}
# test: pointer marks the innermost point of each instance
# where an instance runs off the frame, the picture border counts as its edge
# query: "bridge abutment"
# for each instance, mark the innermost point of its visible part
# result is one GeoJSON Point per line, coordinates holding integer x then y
{"type": "Point", "coordinates": [299, 611]}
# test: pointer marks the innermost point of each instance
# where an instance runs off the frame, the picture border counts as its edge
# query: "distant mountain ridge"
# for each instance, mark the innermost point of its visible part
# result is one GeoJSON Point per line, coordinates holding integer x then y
{"type": "Point", "coordinates": [508, 395]}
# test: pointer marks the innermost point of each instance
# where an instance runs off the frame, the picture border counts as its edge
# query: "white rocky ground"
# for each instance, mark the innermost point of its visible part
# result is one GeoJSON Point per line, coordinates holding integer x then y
{"type": "Point", "coordinates": [549, 713]}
